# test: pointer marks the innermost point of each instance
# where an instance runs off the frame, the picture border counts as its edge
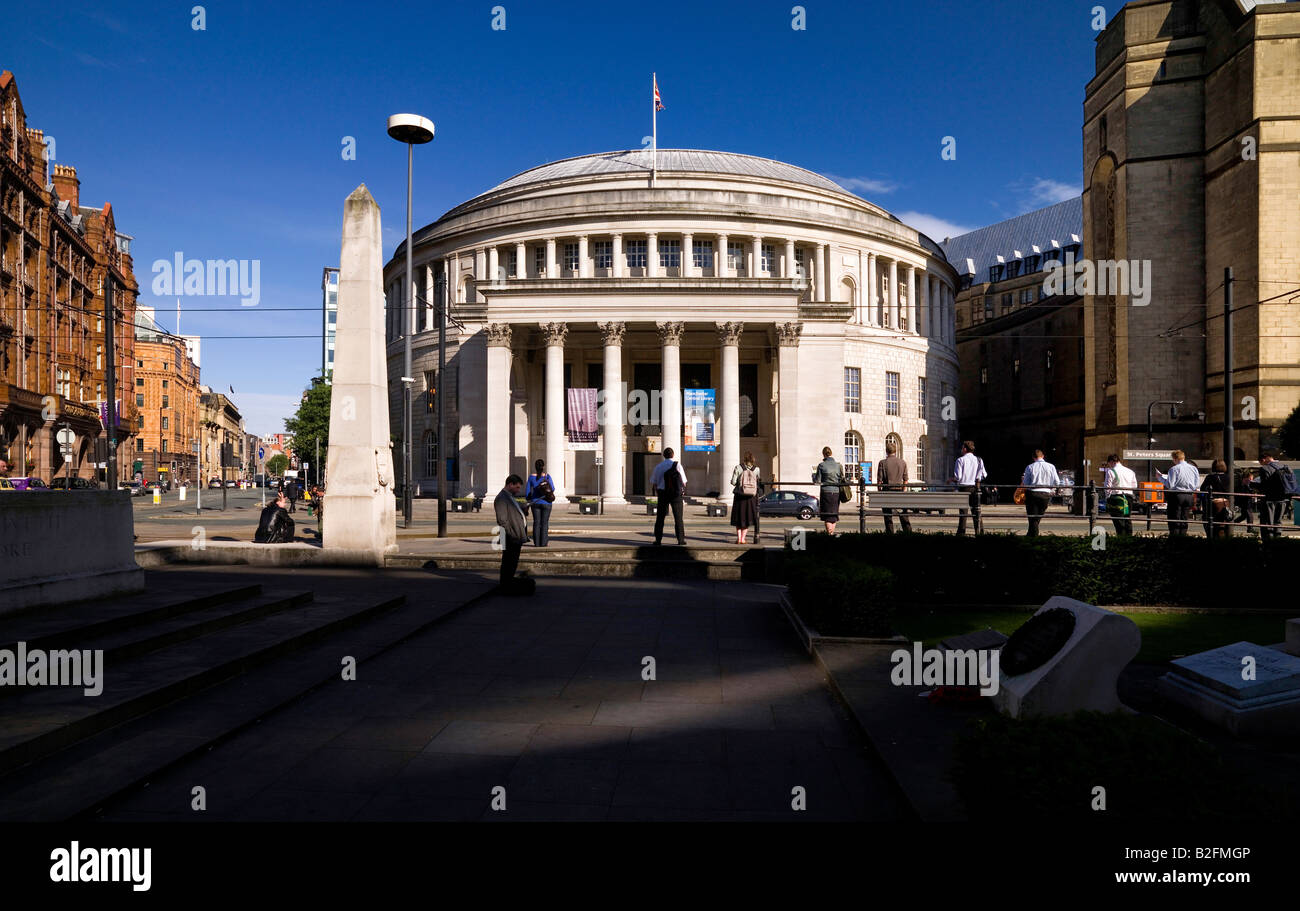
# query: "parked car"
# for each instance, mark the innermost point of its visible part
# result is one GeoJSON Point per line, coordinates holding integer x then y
{"type": "Point", "coordinates": [214, 484]}
{"type": "Point", "coordinates": [231, 484]}
{"type": "Point", "coordinates": [7, 485]}
{"type": "Point", "coordinates": [134, 487]}
{"type": "Point", "coordinates": [29, 484]}
{"type": "Point", "coordinates": [73, 484]}
{"type": "Point", "coordinates": [788, 503]}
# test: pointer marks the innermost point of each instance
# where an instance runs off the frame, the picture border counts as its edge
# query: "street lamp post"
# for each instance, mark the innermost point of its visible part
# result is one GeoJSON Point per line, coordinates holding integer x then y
{"type": "Point", "coordinates": [413, 130]}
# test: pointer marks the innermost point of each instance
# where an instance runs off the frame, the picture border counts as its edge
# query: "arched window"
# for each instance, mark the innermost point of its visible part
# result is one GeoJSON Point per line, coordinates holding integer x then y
{"type": "Point", "coordinates": [850, 290]}
{"type": "Point", "coordinates": [852, 455]}
{"type": "Point", "coordinates": [897, 442]}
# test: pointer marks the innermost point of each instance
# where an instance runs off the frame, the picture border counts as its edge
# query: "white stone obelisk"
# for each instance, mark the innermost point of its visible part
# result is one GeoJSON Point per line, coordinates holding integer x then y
{"type": "Point", "coordinates": [362, 523]}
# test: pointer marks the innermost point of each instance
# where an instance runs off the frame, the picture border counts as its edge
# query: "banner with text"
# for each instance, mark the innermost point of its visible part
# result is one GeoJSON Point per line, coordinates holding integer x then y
{"type": "Point", "coordinates": [700, 412]}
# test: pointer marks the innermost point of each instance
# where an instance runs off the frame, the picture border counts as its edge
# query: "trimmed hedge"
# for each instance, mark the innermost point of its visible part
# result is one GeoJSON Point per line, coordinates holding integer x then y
{"type": "Point", "coordinates": [1015, 569]}
{"type": "Point", "coordinates": [1045, 769]}
{"type": "Point", "coordinates": [849, 599]}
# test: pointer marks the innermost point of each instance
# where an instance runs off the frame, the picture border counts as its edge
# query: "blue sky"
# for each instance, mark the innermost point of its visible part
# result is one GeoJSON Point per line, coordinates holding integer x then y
{"type": "Point", "coordinates": [226, 143]}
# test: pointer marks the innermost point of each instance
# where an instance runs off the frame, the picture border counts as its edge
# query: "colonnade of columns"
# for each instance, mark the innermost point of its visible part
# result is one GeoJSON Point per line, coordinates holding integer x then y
{"type": "Point", "coordinates": [499, 340]}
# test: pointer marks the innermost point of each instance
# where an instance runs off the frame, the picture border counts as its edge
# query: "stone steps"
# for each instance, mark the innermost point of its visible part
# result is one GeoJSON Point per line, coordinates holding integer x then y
{"type": "Point", "coordinates": [667, 562]}
{"type": "Point", "coordinates": [180, 697]}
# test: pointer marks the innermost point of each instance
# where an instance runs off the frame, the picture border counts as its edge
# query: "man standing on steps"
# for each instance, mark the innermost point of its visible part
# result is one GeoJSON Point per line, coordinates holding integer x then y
{"type": "Point", "coordinates": [668, 480]}
{"type": "Point", "coordinates": [510, 517]}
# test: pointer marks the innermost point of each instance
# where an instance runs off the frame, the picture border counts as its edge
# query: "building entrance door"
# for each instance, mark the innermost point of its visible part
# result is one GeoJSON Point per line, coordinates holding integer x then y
{"type": "Point", "coordinates": [643, 464]}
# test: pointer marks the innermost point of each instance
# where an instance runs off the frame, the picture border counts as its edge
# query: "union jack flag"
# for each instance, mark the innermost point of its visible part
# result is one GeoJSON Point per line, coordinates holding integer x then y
{"type": "Point", "coordinates": [659, 105]}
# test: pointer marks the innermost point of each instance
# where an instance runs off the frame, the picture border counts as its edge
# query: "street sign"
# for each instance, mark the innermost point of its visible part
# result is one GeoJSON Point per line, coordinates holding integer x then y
{"type": "Point", "coordinates": [305, 466]}
{"type": "Point", "coordinates": [261, 453]}
{"type": "Point", "coordinates": [600, 460]}
{"type": "Point", "coordinates": [1147, 455]}
{"type": "Point", "coordinates": [66, 438]}
{"type": "Point", "coordinates": [67, 457]}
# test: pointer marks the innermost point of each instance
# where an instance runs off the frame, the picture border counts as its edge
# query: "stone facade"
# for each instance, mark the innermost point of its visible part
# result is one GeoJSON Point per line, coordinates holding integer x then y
{"type": "Point", "coordinates": [754, 278]}
{"type": "Point", "coordinates": [1191, 148]}
{"type": "Point", "coordinates": [54, 256]}
{"type": "Point", "coordinates": [167, 401]}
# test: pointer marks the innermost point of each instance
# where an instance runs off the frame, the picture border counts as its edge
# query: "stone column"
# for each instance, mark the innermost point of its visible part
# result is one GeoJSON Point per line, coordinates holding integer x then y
{"type": "Point", "coordinates": [869, 290]}
{"type": "Point", "coordinates": [912, 325]}
{"type": "Point", "coordinates": [893, 295]}
{"type": "Point", "coordinates": [615, 410]}
{"type": "Point", "coordinates": [430, 296]}
{"type": "Point", "coordinates": [584, 267]}
{"type": "Point", "coordinates": [757, 252]}
{"type": "Point", "coordinates": [521, 260]}
{"type": "Point", "coordinates": [787, 264]}
{"type": "Point", "coordinates": [552, 267]}
{"type": "Point", "coordinates": [923, 304]}
{"type": "Point", "coordinates": [670, 406]}
{"type": "Point", "coordinates": [651, 257]}
{"type": "Point", "coordinates": [688, 260]}
{"type": "Point", "coordinates": [618, 256]}
{"type": "Point", "coordinates": [720, 257]}
{"type": "Point", "coordinates": [498, 407]}
{"type": "Point", "coordinates": [787, 404]}
{"type": "Point", "coordinates": [729, 401]}
{"type": "Point", "coordinates": [821, 291]}
{"type": "Point", "coordinates": [480, 270]}
{"type": "Point", "coordinates": [555, 334]}
{"type": "Point", "coordinates": [360, 455]}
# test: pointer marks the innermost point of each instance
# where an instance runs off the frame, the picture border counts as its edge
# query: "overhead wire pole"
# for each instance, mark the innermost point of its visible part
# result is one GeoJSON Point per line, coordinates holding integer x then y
{"type": "Point", "coordinates": [110, 352]}
{"type": "Point", "coordinates": [441, 393]}
{"type": "Point", "coordinates": [1229, 443]}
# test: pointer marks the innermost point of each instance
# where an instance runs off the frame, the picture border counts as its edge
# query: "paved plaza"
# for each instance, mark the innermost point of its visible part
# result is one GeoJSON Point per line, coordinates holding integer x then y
{"type": "Point", "coordinates": [545, 697]}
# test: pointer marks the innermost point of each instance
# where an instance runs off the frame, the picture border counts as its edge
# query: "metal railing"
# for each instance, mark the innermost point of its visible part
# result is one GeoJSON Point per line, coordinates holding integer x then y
{"type": "Point", "coordinates": [1083, 504]}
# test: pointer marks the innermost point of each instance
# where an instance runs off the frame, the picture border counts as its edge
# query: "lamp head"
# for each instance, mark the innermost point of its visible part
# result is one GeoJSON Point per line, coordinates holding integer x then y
{"type": "Point", "coordinates": [410, 128]}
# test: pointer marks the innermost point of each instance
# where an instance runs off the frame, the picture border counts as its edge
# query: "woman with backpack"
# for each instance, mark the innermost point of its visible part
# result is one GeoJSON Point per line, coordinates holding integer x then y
{"type": "Point", "coordinates": [830, 476]}
{"type": "Point", "coordinates": [744, 506]}
{"type": "Point", "coordinates": [540, 495]}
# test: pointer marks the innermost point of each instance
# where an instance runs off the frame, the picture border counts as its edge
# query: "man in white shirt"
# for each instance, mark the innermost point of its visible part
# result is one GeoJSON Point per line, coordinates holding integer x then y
{"type": "Point", "coordinates": [1181, 484]}
{"type": "Point", "coordinates": [1120, 482]}
{"type": "Point", "coordinates": [968, 469]}
{"type": "Point", "coordinates": [1039, 480]}
{"type": "Point", "coordinates": [668, 480]}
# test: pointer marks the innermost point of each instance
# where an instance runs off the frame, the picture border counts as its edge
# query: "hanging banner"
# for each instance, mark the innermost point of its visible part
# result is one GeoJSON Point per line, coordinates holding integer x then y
{"type": "Point", "coordinates": [701, 416]}
{"type": "Point", "coordinates": [584, 432]}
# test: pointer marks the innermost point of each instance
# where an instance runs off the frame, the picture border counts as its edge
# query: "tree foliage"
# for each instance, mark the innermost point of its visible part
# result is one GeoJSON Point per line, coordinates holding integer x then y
{"type": "Point", "coordinates": [277, 464]}
{"type": "Point", "coordinates": [1289, 435]}
{"type": "Point", "coordinates": [311, 423]}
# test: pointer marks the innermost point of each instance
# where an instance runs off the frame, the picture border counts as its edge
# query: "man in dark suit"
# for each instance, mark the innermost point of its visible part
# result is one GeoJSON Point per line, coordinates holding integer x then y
{"type": "Point", "coordinates": [510, 516]}
{"type": "Point", "coordinates": [893, 476]}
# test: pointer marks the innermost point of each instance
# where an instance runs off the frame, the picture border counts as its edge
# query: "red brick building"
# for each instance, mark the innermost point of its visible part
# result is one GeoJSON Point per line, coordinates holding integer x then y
{"type": "Point", "coordinates": [55, 255]}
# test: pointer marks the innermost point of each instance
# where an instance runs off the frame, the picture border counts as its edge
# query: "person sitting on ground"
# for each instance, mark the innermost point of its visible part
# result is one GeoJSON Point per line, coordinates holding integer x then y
{"type": "Point", "coordinates": [275, 526]}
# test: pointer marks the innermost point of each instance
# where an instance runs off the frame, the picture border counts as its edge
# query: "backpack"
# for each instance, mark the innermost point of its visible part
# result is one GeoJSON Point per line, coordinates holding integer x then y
{"type": "Point", "coordinates": [748, 482]}
{"type": "Point", "coordinates": [544, 490]}
{"type": "Point", "coordinates": [672, 488]}
{"type": "Point", "coordinates": [1281, 483]}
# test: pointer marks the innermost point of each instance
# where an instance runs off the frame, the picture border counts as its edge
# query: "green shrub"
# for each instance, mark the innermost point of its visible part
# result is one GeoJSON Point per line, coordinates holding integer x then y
{"type": "Point", "coordinates": [847, 598]}
{"type": "Point", "coordinates": [1015, 569]}
{"type": "Point", "coordinates": [1040, 769]}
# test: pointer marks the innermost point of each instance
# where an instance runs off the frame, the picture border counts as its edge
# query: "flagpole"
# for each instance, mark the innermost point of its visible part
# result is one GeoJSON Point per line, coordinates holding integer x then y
{"type": "Point", "coordinates": [654, 128]}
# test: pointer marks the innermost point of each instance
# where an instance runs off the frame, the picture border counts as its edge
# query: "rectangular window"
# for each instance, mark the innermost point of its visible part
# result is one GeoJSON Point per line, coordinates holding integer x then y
{"type": "Point", "coordinates": [139, 444]}
{"type": "Point", "coordinates": [988, 307]}
{"type": "Point", "coordinates": [1006, 303]}
{"type": "Point", "coordinates": [604, 254]}
{"type": "Point", "coordinates": [748, 400]}
{"type": "Point", "coordinates": [736, 258]}
{"type": "Point", "coordinates": [139, 381]}
{"type": "Point", "coordinates": [164, 384]}
{"type": "Point", "coordinates": [164, 424]}
{"type": "Point", "coordinates": [99, 357]}
{"type": "Point", "coordinates": [920, 397]}
{"type": "Point", "coordinates": [670, 254]}
{"type": "Point", "coordinates": [571, 257]}
{"type": "Point", "coordinates": [920, 460]}
{"type": "Point", "coordinates": [164, 445]}
{"type": "Point", "coordinates": [539, 261]}
{"type": "Point", "coordinates": [891, 392]}
{"type": "Point", "coordinates": [430, 391]}
{"type": "Point", "coordinates": [853, 389]}
{"type": "Point", "coordinates": [139, 400]}
{"type": "Point", "coordinates": [512, 263]}
{"type": "Point", "coordinates": [165, 403]}
{"type": "Point", "coordinates": [769, 259]}
{"type": "Point", "coordinates": [702, 254]}
{"type": "Point", "coordinates": [1013, 268]}
{"type": "Point", "coordinates": [636, 254]}
{"type": "Point", "coordinates": [995, 273]}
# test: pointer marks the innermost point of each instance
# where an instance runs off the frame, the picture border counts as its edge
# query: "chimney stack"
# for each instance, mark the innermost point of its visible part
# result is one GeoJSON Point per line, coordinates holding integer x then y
{"type": "Point", "coordinates": [67, 185]}
{"type": "Point", "coordinates": [36, 141]}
